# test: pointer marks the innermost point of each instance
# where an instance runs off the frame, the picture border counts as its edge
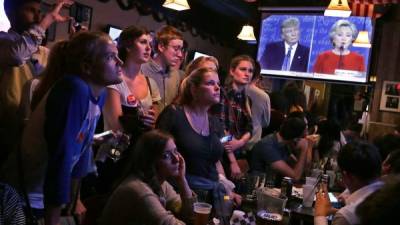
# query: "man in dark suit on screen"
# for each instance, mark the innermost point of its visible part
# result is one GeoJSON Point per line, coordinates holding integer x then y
{"type": "Point", "coordinates": [287, 54]}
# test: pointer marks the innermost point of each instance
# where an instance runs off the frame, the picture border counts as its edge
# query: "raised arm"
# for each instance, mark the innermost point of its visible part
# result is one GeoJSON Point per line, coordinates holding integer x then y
{"type": "Point", "coordinates": [17, 49]}
{"type": "Point", "coordinates": [297, 171]}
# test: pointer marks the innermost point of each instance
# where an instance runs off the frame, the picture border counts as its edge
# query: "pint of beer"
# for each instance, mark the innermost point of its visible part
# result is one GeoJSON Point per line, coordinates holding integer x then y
{"type": "Point", "coordinates": [202, 211]}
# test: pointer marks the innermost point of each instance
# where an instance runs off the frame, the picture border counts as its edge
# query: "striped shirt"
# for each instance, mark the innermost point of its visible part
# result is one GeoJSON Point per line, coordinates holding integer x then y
{"type": "Point", "coordinates": [11, 210]}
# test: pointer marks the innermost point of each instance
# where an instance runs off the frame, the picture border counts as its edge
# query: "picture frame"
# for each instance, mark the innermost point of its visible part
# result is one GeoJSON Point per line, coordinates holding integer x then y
{"type": "Point", "coordinates": [390, 97]}
{"type": "Point", "coordinates": [82, 14]}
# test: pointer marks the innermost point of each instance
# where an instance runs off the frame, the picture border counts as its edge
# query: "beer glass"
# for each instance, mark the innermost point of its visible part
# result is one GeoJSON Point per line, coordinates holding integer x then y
{"type": "Point", "coordinates": [202, 211]}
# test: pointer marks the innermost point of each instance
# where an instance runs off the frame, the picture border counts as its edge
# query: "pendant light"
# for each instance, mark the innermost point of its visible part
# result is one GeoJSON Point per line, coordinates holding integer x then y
{"type": "Point", "coordinates": [338, 8]}
{"type": "Point", "coordinates": [247, 33]}
{"type": "Point", "coordinates": [362, 39]}
{"type": "Point", "coordinates": [178, 5]}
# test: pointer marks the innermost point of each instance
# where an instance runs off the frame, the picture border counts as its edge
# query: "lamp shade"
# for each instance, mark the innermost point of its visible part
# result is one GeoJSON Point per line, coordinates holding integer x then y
{"type": "Point", "coordinates": [338, 8]}
{"type": "Point", "coordinates": [178, 5]}
{"type": "Point", "coordinates": [362, 40]}
{"type": "Point", "coordinates": [247, 33]}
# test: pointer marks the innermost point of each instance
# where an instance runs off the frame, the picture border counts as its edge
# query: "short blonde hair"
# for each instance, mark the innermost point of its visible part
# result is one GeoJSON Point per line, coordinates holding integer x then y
{"type": "Point", "coordinates": [166, 34]}
{"type": "Point", "coordinates": [290, 22]}
{"type": "Point", "coordinates": [343, 23]}
{"type": "Point", "coordinates": [235, 61]}
{"type": "Point", "coordinates": [84, 47]}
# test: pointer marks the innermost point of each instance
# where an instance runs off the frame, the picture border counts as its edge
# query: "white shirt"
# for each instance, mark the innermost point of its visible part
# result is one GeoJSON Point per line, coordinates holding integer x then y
{"type": "Point", "coordinates": [294, 47]}
{"type": "Point", "coordinates": [349, 211]}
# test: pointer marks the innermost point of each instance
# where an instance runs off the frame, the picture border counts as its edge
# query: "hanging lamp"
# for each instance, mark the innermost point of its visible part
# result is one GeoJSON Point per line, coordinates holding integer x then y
{"type": "Point", "coordinates": [362, 39]}
{"type": "Point", "coordinates": [177, 5]}
{"type": "Point", "coordinates": [247, 33]}
{"type": "Point", "coordinates": [338, 8]}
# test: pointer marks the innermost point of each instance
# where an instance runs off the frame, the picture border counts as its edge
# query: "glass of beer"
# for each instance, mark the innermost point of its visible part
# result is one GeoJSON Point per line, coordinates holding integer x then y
{"type": "Point", "coordinates": [308, 195]}
{"type": "Point", "coordinates": [202, 211]}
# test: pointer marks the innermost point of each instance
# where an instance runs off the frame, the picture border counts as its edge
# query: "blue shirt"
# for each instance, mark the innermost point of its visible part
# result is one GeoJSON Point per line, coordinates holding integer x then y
{"type": "Point", "coordinates": [266, 152]}
{"type": "Point", "coordinates": [71, 116]}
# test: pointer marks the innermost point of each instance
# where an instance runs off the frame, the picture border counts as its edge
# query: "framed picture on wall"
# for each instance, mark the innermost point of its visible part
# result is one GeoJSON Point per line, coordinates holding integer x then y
{"type": "Point", "coordinates": [390, 97]}
{"type": "Point", "coordinates": [82, 14]}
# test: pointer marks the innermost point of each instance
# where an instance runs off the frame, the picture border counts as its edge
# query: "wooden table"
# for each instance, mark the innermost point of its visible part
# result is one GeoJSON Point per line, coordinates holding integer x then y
{"type": "Point", "coordinates": [299, 214]}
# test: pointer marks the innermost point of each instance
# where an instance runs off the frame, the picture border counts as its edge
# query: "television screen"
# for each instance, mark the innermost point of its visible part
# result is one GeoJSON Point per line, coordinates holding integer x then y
{"type": "Point", "coordinates": [114, 32]}
{"type": "Point", "coordinates": [314, 47]}
{"type": "Point", "coordinates": [199, 54]}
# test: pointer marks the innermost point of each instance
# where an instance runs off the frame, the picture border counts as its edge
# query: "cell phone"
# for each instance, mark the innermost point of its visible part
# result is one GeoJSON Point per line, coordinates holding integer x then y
{"type": "Point", "coordinates": [77, 26]}
{"type": "Point", "coordinates": [332, 198]}
{"type": "Point", "coordinates": [104, 134]}
{"type": "Point", "coordinates": [226, 139]}
{"type": "Point", "coordinates": [334, 201]}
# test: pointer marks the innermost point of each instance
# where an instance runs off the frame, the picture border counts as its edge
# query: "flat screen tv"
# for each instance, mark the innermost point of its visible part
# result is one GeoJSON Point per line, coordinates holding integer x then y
{"type": "Point", "coordinates": [197, 54]}
{"type": "Point", "coordinates": [114, 32]}
{"type": "Point", "coordinates": [314, 47]}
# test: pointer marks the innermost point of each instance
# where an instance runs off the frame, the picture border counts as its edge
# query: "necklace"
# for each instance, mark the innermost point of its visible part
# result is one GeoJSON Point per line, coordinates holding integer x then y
{"type": "Point", "coordinates": [198, 122]}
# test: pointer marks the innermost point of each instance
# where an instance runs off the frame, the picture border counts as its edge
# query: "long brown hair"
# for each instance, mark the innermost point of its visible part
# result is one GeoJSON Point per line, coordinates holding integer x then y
{"type": "Point", "coordinates": [52, 72]}
{"type": "Point", "coordinates": [127, 38]}
{"type": "Point", "coordinates": [148, 150]}
{"type": "Point", "coordinates": [84, 48]}
{"type": "Point", "coordinates": [234, 63]}
{"type": "Point", "coordinates": [67, 57]}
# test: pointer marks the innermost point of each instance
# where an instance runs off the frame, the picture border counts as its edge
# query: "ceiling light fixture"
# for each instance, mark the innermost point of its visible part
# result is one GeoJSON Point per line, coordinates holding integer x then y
{"type": "Point", "coordinates": [247, 33]}
{"type": "Point", "coordinates": [338, 8]}
{"type": "Point", "coordinates": [178, 5]}
{"type": "Point", "coordinates": [362, 39]}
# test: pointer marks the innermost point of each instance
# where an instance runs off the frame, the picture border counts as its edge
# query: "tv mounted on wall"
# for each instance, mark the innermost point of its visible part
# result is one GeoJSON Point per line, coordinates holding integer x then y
{"type": "Point", "coordinates": [199, 54]}
{"type": "Point", "coordinates": [194, 54]}
{"type": "Point", "coordinates": [324, 50]}
{"type": "Point", "coordinates": [114, 32]}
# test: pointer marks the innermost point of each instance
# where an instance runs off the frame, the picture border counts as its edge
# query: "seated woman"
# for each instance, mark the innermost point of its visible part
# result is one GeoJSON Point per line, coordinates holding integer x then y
{"type": "Point", "coordinates": [342, 35]}
{"type": "Point", "coordinates": [130, 105]}
{"type": "Point", "coordinates": [145, 197]}
{"type": "Point", "coordinates": [197, 134]}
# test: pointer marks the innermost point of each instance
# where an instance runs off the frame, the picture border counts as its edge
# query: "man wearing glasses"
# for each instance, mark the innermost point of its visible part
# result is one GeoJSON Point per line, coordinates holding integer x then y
{"type": "Point", "coordinates": [169, 51]}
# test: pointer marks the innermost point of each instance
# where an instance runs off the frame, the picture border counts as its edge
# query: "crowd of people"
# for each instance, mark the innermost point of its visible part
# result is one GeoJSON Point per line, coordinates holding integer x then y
{"type": "Point", "coordinates": [176, 134]}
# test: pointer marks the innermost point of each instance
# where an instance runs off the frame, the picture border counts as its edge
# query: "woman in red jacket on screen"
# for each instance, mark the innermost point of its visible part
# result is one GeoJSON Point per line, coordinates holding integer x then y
{"type": "Point", "coordinates": [342, 35]}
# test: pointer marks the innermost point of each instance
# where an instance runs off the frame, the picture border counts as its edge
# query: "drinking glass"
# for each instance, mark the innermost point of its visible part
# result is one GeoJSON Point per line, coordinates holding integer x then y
{"type": "Point", "coordinates": [202, 211]}
{"type": "Point", "coordinates": [308, 195]}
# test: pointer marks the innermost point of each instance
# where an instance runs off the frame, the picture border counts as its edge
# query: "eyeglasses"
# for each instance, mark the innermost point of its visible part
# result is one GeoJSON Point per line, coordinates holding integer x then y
{"type": "Point", "coordinates": [177, 48]}
{"type": "Point", "coordinates": [170, 154]}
